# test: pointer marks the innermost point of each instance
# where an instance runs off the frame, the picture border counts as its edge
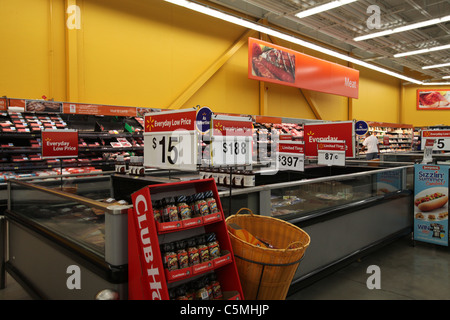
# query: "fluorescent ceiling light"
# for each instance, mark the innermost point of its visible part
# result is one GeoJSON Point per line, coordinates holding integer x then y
{"type": "Point", "coordinates": [323, 7]}
{"type": "Point", "coordinates": [403, 28]}
{"type": "Point", "coordinates": [436, 83]}
{"type": "Point", "coordinates": [266, 30]}
{"type": "Point", "coordinates": [437, 66]}
{"type": "Point", "coordinates": [446, 77]}
{"type": "Point", "coordinates": [410, 53]}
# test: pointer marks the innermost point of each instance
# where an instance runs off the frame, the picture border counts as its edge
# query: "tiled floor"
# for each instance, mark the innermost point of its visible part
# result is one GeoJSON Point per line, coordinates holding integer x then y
{"type": "Point", "coordinates": [407, 273]}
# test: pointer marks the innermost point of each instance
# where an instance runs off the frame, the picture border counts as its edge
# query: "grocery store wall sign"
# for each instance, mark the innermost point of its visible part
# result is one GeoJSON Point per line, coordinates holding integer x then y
{"type": "Point", "coordinates": [271, 63]}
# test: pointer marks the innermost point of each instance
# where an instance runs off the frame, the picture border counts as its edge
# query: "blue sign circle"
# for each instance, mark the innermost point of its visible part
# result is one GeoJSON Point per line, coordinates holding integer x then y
{"type": "Point", "coordinates": [203, 119]}
{"type": "Point", "coordinates": [361, 127]}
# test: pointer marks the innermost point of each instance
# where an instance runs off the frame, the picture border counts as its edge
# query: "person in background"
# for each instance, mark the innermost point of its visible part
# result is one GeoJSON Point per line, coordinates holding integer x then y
{"type": "Point", "coordinates": [370, 144]}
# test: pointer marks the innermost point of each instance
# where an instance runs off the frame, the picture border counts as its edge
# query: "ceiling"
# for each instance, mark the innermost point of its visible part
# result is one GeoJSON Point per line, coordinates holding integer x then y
{"type": "Point", "coordinates": [338, 27]}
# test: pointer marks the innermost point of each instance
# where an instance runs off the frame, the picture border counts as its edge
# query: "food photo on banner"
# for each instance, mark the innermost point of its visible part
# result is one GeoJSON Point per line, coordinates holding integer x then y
{"type": "Point", "coordinates": [433, 99]}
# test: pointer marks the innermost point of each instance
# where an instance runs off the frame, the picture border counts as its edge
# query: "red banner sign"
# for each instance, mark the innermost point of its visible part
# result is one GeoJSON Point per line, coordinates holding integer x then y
{"type": "Point", "coordinates": [286, 147]}
{"type": "Point", "coordinates": [331, 146]}
{"type": "Point", "coordinates": [59, 143]}
{"type": "Point", "coordinates": [271, 63]}
{"type": "Point", "coordinates": [329, 132]}
{"type": "Point", "coordinates": [436, 133]}
{"type": "Point", "coordinates": [170, 121]}
{"type": "Point", "coordinates": [233, 128]}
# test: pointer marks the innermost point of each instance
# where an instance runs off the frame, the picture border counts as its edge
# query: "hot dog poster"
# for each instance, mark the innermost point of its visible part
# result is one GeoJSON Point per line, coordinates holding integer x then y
{"type": "Point", "coordinates": [271, 63]}
{"type": "Point", "coordinates": [431, 203]}
{"type": "Point", "coordinates": [433, 99]}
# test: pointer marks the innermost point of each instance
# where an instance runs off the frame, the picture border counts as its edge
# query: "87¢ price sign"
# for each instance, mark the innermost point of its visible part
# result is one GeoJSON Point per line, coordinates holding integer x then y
{"type": "Point", "coordinates": [331, 153]}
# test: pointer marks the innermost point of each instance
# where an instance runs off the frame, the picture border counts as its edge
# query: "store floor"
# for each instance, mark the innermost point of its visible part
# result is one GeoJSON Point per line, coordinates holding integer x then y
{"type": "Point", "coordinates": [420, 272]}
{"type": "Point", "coordinates": [407, 273]}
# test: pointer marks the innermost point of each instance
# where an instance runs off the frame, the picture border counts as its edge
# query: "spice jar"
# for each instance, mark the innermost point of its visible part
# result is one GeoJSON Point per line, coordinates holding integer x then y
{"type": "Point", "coordinates": [200, 291]}
{"type": "Point", "coordinates": [157, 210]}
{"type": "Point", "coordinates": [201, 207]}
{"type": "Point", "coordinates": [216, 289]}
{"type": "Point", "coordinates": [212, 204]}
{"type": "Point", "coordinates": [170, 257]}
{"type": "Point", "coordinates": [192, 250]}
{"type": "Point", "coordinates": [203, 250]}
{"type": "Point", "coordinates": [171, 210]}
{"type": "Point", "coordinates": [213, 245]}
{"type": "Point", "coordinates": [184, 209]}
{"type": "Point", "coordinates": [182, 255]}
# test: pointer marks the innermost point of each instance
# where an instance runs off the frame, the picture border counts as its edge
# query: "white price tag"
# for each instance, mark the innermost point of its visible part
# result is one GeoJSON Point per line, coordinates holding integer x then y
{"type": "Point", "coordinates": [441, 137]}
{"type": "Point", "coordinates": [331, 153]}
{"type": "Point", "coordinates": [176, 150]}
{"type": "Point", "coordinates": [171, 140]}
{"type": "Point", "coordinates": [291, 156]}
{"type": "Point", "coordinates": [231, 150]}
{"type": "Point", "coordinates": [331, 158]}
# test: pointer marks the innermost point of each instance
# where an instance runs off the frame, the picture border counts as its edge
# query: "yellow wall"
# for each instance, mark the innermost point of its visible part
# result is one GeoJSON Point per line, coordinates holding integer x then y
{"type": "Point", "coordinates": [147, 53]}
{"type": "Point", "coordinates": [422, 118]}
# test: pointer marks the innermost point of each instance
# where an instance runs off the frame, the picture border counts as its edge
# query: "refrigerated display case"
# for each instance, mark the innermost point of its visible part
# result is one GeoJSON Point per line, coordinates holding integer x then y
{"type": "Point", "coordinates": [62, 245]}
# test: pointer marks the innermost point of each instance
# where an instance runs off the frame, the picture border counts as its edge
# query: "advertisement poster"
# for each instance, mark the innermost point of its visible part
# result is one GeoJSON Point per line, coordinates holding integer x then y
{"type": "Point", "coordinates": [272, 63]}
{"type": "Point", "coordinates": [332, 131]}
{"type": "Point", "coordinates": [431, 203]}
{"type": "Point", "coordinates": [434, 99]}
{"type": "Point", "coordinates": [440, 138]}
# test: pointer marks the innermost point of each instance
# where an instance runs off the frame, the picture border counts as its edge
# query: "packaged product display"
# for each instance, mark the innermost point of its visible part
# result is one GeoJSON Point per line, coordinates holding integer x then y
{"type": "Point", "coordinates": [204, 288]}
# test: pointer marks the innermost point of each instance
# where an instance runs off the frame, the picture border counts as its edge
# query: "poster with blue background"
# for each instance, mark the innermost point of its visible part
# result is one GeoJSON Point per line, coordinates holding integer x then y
{"type": "Point", "coordinates": [431, 203]}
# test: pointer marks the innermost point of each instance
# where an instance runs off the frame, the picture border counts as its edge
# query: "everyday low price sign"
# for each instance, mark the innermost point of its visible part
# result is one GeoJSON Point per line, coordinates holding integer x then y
{"type": "Point", "coordinates": [441, 137]}
{"type": "Point", "coordinates": [329, 131]}
{"type": "Point", "coordinates": [59, 143]}
{"type": "Point", "coordinates": [231, 140]}
{"type": "Point", "coordinates": [170, 140]}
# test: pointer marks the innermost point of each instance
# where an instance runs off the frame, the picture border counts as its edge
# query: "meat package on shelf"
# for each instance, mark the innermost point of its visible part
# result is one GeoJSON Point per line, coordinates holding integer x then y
{"type": "Point", "coordinates": [192, 255]}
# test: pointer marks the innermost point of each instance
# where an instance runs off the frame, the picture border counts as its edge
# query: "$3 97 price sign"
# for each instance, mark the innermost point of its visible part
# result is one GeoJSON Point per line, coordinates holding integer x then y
{"type": "Point", "coordinates": [291, 156]}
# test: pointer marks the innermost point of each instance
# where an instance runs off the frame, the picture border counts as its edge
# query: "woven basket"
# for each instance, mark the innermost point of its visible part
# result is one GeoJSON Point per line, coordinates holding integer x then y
{"type": "Point", "coordinates": [266, 273]}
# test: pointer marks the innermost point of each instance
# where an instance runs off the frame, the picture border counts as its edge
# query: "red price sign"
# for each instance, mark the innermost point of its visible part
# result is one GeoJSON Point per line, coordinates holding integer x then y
{"type": "Point", "coordinates": [59, 144]}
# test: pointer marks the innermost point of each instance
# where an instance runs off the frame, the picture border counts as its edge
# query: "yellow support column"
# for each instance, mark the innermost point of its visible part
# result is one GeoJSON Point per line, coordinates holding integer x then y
{"type": "Point", "coordinates": [311, 104]}
{"type": "Point", "coordinates": [208, 73]}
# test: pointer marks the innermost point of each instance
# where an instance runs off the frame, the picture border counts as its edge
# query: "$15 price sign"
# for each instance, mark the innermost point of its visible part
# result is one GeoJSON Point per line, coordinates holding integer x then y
{"type": "Point", "coordinates": [170, 140]}
{"type": "Point", "coordinates": [331, 153]}
{"type": "Point", "coordinates": [231, 140]}
{"type": "Point", "coordinates": [291, 156]}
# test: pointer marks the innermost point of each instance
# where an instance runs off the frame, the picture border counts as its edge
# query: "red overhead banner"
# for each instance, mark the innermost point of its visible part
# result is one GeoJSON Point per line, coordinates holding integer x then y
{"type": "Point", "coordinates": [271, 63]}
{"type": "Point", "coordinates": [170, 120]}
{"type": "Point", "coordinates": [59, 144]}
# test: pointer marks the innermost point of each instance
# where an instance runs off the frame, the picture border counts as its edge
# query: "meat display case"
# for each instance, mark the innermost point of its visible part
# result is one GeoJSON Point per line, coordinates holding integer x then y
{"type": "Point", "coordinates": [62, 245]}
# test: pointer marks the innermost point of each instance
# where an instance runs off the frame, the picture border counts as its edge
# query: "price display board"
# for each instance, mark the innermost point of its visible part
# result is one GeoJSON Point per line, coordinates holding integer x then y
{"type": "Point", "coordinates": [441, 137]}
{"type": "Point", "coordinates": [428, 151]}
{"type": "Point", "coordinates": [231, 140]}
{"type": "Point", "coordinates": [59, 144]}
{"type": "Point", "coordinates": [291, 156]}
{"type": "Point", "coordinates": [331, 153]}
{"type": "Point", "coordinates": [170, 140]}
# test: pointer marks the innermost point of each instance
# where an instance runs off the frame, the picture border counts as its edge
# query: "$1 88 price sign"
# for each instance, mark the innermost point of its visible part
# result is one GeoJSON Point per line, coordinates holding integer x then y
{"type": "Point", "coordinates": [231, 150]}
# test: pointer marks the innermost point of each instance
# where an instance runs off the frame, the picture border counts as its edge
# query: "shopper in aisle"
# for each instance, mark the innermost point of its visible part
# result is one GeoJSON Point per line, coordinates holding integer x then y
{"type": "Point", "coordinates": [370, 144]}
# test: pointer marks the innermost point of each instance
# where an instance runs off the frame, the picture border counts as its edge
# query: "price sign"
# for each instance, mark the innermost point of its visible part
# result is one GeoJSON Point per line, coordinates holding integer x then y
{"type": "Point", "coordinates": [291, 156]}
{"type": "Point", "coordinates": [442, 138]}
{"type": "Point", "coordinates": [428, 151]}
{"type": "Point", "coordinates": [231, 140]}
{"type": "Point", "coordinates": [331, 153]}
{"type": "Point", "coordinates": [59, 144]}
{"type": "Point", "coordinates": [170, 140]}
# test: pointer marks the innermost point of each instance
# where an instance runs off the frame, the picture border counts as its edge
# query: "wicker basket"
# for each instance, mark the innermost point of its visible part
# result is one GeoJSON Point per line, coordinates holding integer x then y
{"type": "Point", "coordinates": [266, 274]}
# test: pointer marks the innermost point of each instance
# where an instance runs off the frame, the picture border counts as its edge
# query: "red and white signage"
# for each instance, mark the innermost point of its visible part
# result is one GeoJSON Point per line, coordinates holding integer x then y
{"type": "Point", "coordinates": [171, 139]}
{"type": "Point", "coordinates": [331, 153]}
{"type": "Point", "coordinates": [59, 143]}
{"type": "Point", "coordinates": [441, 137]}
{"type": "Point", "coordinates": [271, 63]}
{"type": "Point", "coordinates": [231, 140]}
{"type": "Point", "coordinates": [152, 284]}
{"type": "Point", "coordinates": [329, 132]}
{"type": "Point", "coordinates": [291, 156]}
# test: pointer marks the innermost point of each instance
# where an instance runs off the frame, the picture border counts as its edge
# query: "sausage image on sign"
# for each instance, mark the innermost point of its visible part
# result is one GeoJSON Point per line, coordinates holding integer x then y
{"type": "Point", "coordinates": [431, 202]}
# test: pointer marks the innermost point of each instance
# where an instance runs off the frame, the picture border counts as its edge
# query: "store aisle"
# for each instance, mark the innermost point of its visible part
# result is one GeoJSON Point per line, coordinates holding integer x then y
{"type": "Point", "coordinates": [407, 273]}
